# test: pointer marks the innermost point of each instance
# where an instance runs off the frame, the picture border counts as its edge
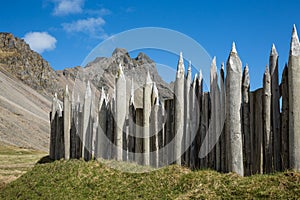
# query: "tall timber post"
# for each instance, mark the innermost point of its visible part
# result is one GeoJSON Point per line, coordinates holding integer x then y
{"type": "Point", "coordinates": [120, 112]}
{"type": "Point", "coordinates": [179, 109]}
{"type": "Point", "coordinates": [294, 101]}
{"type": "Point", "coordinates": [147, 91]}
{"type": "Point", "coordinates": [233, 109]}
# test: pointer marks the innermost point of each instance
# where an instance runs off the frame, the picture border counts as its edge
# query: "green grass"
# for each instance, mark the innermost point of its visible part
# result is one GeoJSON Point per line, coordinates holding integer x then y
{"type": "Point", "coordinates": [76, 179]}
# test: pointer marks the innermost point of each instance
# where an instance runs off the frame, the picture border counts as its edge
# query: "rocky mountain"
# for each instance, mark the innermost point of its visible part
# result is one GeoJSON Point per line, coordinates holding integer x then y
{"type": "Point", "coordinates": [28, 83]}
{"type": "Point", "coordinates": [17, 59]}
{"type": "Point", "coordinates": [102, 72]}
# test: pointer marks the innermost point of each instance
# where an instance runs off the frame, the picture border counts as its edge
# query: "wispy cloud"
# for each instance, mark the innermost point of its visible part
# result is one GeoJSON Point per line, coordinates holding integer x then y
{"type": "Point", "coordinates": [98, 12]}
{"type": "Point", "coordinates": [65, 7]}
{"type": "Point", "coordinates": [40, 41]}
{"type": "Point", "coordinates": [130, 9]}
{"type": "Point", "coordinates": [91, 26]}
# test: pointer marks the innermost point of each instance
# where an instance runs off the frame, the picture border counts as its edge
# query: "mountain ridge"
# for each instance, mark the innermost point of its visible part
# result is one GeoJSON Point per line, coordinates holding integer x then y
{"type": "Point", "coordinates": [28, 84]}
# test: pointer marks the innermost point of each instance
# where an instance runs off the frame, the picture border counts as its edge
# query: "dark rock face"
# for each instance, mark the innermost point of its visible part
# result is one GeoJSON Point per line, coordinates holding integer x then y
{"type": "Point", "coordinates": [19, 60]}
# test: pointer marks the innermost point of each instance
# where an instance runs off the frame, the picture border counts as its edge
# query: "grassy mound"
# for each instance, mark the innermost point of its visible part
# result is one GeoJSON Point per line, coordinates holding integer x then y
{"type": "Point", "coordinates": [76, 179]}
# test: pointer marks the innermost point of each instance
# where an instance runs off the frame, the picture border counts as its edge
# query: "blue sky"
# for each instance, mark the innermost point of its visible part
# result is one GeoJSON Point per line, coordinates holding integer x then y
{"type": "Point", "coordinates": [67, 30]}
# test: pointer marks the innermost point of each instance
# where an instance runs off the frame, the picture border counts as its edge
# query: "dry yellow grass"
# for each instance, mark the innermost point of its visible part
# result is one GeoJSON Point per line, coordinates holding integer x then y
{"type": "Point", "coordinates": [15, 161]}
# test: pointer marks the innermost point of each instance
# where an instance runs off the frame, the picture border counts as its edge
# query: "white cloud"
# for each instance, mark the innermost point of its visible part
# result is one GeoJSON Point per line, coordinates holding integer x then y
{"type": "Point", "coordinates": [65, 7]}
{"type": "Point", "coordinates": [40, 41]}
{"type": "Point", "coordinates": [92, 26]}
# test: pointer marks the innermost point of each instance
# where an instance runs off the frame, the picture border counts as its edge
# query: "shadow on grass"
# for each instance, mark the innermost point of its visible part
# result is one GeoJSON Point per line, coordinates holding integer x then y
{"type": "Point", "coordinates": [44, 160]}
{"type": "Point", "coordinates": [2, 185]}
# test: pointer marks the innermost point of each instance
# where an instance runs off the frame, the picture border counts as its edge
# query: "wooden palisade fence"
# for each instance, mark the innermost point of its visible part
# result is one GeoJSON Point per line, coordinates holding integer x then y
{"type": "Point", "coordinates": [233, 128]}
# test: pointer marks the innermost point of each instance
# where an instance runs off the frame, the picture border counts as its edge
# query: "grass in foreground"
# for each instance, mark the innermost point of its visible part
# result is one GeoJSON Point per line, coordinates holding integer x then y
{"type": "Point", "coordinates": [15, 161]}
{"type": "Point", "coordinates": [76, 179]}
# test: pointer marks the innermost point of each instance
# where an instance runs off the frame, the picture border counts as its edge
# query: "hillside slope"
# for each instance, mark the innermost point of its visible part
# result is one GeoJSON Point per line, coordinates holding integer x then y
{"type": "Point", "coordinates": [24, 115]}
{"type": "Point", "coordinates": [77, 179]}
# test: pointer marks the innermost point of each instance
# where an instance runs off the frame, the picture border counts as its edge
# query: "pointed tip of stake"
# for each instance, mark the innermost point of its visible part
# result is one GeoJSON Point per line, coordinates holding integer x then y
{"type": "Point", "coordinates": [294, 33]}
{"type": "Point", "coordinates": [233, 48]}
{"type": "Point", "coordinates": [102, 97]}
{"type": "Point", "coordinates": [148, 80]}
{"type": "Point", "coordinates": [246, 77]}
{"type": "Point", "coordinates": [180, 66]}
{"type": "Point", "coordinates": [273, 50]}
{"type": "Point", "coordinates": [132, 92]}
{"type": "Point", "coordinates": [120, 71]}
{"type": "Point", "coordinates": [222, 66]}
{"type": "Point", "coordinates": [131, 100]}
{"type": "Point", "coordinates": [246, 68]}
{"type": "Point", "coordinates": [295, 46]}
{"type": "Point", "coordinates": [102, 92]}
{"type": "Point", "coordinates": [180, 58]}
{"type": "Point", "coordinates": [195, 77]}
{"type": "Point", "coordinates": [267, 69]}
{"type": "Point", "coordinates": [67, 91]}
{"type": "Point", "coordinates": [214, 63]}
{"type": "Point", "coordinates": [294, 28]}
{"type": "Point", "coordinates": [155, 90]}
{"type": "Point", "coordinates": [214, 60]}
{"type": "Point", "coordinates": [213, 69]}
{"type": "Point", "coordinates": [190, 66]}
{"type": "Point", "coordinates": [189, 72]}
{"type": "Point", "coordinates": [88, 91]}
{"type": "Point", "coordinates": [200, 75]}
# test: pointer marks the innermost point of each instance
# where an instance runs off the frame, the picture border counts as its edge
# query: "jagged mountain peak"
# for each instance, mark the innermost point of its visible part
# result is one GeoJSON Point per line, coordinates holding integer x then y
{"type": "Point", "coordinates": [119, 52]}
{"type": "Point", "coordinates": [143, 58]}
{"type": "Point", "coordinates": [103, 71]}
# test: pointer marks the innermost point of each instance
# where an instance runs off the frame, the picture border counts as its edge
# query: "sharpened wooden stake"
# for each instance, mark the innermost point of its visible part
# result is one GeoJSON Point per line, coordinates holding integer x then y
{"type": "Point", "coordinates": [233, 109]}
{"type": "Point", "coordinates": [294, 101]}
{"type": "Point", "coordinates": [179, 110]}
